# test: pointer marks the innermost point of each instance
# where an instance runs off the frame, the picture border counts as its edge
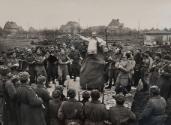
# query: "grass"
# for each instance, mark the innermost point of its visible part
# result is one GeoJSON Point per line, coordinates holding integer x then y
{"type": "Point", "coordinates": [7, 43]}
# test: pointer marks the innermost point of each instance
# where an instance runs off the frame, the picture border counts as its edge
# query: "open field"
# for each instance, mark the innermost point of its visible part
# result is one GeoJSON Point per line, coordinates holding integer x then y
{"type": "Point", "coordinates": [5, 44]}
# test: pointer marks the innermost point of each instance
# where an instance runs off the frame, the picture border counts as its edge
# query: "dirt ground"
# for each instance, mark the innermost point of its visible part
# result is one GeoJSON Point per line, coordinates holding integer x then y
{"type": "Point", "coordinates": [109, 101]}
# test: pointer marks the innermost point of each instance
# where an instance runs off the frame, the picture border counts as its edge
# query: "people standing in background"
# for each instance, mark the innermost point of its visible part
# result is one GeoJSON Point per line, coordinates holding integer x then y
{"type": "Point", "coordinates": [52, 68]}
{"type": "Point", "coordinates": [63, 67]}
{"type": "Point", "coordinates": [39, 63]}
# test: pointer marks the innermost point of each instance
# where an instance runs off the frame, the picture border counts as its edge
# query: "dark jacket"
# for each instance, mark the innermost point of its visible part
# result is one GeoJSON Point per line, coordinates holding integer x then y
{"type": "Point", "coordinates": [140, 100]}
{"type": "Point", "coordinates": [154, 112]}
{"type": "Point", "coordinates": [43, 93]}
{"type": "Point", "coordinates": [71, 110]}
{"type": "Point", "coordinates": [10, 104]}
{"type": "Point", "coordinates": [30, 107]}
{"type": "Point", "coordinates": [120, 115]}
{"type": "Point", "coordinates": [54, 106]}
{"type": "Point", "coordinates": [95, 113]}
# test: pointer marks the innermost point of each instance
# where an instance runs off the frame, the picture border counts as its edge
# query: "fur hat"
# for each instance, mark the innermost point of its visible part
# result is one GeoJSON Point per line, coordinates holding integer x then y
{"type": "Point", "coordinates": [24, 76]}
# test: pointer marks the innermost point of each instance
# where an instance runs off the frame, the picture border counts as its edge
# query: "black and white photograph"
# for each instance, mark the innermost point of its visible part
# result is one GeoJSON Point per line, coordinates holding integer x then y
{"type": "Point", "coordinates": [85, 62]}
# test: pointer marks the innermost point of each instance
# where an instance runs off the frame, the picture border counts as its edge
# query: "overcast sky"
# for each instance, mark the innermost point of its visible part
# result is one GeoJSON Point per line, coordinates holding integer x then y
{"type": "Point", "coordinates": [53, 13]}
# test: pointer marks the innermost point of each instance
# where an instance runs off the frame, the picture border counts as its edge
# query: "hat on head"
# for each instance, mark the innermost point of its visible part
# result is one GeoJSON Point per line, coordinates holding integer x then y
{"type": "Point", "coordinates": [120, 98]}
{"type": "Point", "coordinates": [15, 78]}
{"type": "Point", "coordinates": [95, 94]}
{"type": "Point", "coordinates": [56, 94]}
{"type": "Point", "coordinates": [155, 90]}
{"type": "Point", "coordinates": [24, 76]}
{"type": "Point", "coordinates": [71, 93]}
{"type": "Point", "coordinates": [60, 88]}
{"type": "Point", "coordinates": [86, 94]}
{"type": "Point", "coordinates": [4, 70]}
{"type": "Point", "coordinates": [41, 79]}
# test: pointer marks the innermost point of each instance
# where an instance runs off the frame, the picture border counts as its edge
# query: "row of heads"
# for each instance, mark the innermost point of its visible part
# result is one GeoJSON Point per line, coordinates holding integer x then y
{"type": "Point", "coordinates": [93, 94]}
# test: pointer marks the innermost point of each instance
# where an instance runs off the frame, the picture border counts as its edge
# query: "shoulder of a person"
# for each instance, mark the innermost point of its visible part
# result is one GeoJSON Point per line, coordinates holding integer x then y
{"type": "Point", "coordinates": [88, 103]}
{"type": "Point", "coordinates": [8, 83]}
{"type": "Point", "coordinates": [163, 99]}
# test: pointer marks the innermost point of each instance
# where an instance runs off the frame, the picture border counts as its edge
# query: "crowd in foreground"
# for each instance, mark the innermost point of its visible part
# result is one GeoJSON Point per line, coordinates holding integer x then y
{"type": "Point", "coordinates": [30, 105]}
{"type": "Point", "coordinates": [25, 75]}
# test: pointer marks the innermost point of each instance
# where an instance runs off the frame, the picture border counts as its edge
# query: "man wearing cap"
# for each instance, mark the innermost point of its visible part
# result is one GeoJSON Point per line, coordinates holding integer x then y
{"type": "Point", "coordinates": [42, 90]}
{"type": "Point", "coordinates": [7, 93]}
{"type": "Point", "coordinates": [155, 70]}
{"type": "Point", "coordinates": [63, 66]}
{"type": "Point", "coordinates": [29, 59]}
{"type": "Point", "coordinates": [10, 107]}
{"type": "Point", "coordinates": [29, 104]}
{"type": "Point", "coordinates": [54, 106]}
{"type": "Point", "coordinates": [43, 93]}
{"type": "Point", "coordinates": [120, 115]}
{"type": "Point", "coordinates": [154, 112]}
{"type": "Point", "coordinates": [86, 97]}
{"type": "Point", "coordinates": [60, 88]}
{"type": "Point", "coordinates": [52, 67]}
{"type": "Point", "coordinates": [71, 111]}
{"type": "Point", "coordinates": [75, 64]}
{"type": "Point", "coordinates": [95, 112]}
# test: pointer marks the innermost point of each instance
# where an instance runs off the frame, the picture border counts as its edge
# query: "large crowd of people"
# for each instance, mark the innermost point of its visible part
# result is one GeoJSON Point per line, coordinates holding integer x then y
{"type": "Point", "coordinates": [26, 75]}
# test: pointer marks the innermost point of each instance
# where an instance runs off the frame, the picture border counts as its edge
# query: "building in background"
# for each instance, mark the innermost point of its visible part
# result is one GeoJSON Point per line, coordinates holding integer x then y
{"type": "Point", "coordinates": [11, 28]}
{"type": "Point", "coordinates": [153, 38]}
{"type": "Point", "coordinates": [71, 27]}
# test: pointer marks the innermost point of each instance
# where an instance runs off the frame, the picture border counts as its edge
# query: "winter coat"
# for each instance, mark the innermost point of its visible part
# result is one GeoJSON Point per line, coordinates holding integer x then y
{"type": "Point", "coordinates": [71, 111]}
{"type": "Point", "coordinates": [54, 106]}
{"type": "Point", "coordinates": [140, 100]}
{"type": "Point", "coordinates": [30, 107]}
{"type": "Point", "coordinates": [43, 93]}
{"type": "Point", "coordinates": [95, 113]}
{"type": "Point", "coordinates": [10, 104]}
{"type": "Point", "coordinates": [120, 115]}
{"type": "Point", "coordinates": [154, 112]}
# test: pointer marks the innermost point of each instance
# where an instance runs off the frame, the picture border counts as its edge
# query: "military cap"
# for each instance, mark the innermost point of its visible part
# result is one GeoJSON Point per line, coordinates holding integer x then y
{"type": "Point", "coordinates": [15, 78]}
{"type": "Point", "coordinates": [155, 90]}
{"type": "Point", "coordinates": [2, 61]}
{"type": "Point", "coordinates": [120, 98]}
{"type": "Point", "coordinates": [95, 94]}
{"type": "Point", "coordinates": [71, 93]}
{"type": "Point", "coordinates": [24, 76]}
{"type": "Point", "coordinates": [56, 94]}
{"type": "Point", "coordinates": [158, 54]}
{"type": "Point", "coordinates": [4, 70]}
{"type": "Point", "coordinates": [60, 88]}
{"type": "Point", "coordinates": [41, 79]}
{"type": "Point", "coordinates": [86, 95]}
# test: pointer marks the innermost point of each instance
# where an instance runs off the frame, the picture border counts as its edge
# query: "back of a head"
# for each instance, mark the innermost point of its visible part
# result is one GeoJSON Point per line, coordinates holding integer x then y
{"type": "Point", "coordinates": [56, 94]}
{"type": "Point", "coordinates": [4, 70]}
{"type": "Point", "coordinates": [154, 90]}
{"type": "Point", "coordinates": [120, 99]}
{"type": "Point", "coordinates": [86, 95]}
{"type": "Point", "coordinates": [24, 77]}
{"type": "Point", "coordinates": [95, 95]}
{"type": "Point", "coordinates": [71, 93]}
{"type": "Point", "coordinates": [41, 80]}
{"type": "Point", "coordinates": [60, 88]}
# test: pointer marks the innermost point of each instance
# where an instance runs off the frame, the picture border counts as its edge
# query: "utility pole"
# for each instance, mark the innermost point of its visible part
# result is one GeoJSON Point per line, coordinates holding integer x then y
{"type": "Point", "coordinates": [106, 35]}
